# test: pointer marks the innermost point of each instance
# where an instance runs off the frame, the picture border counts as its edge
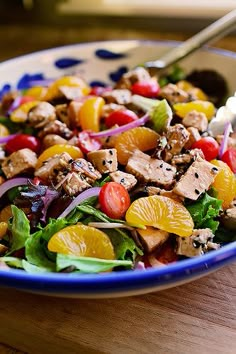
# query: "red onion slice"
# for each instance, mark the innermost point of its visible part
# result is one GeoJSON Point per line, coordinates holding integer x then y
{"type": "Point", "coordinates": [91, 192]}
{"type": "Point", "coordinates": [15, 104]}
{"type": "Point", "coordinates": [224, 144]}
{"type": "Point", "coordinates": [11, 183]}
{"type": "Point", "coordinates": [122, 129]}
{"type": "Point", "coordinates": [5, 139]}
{"type": "Point", "coordinates": [110, 225]}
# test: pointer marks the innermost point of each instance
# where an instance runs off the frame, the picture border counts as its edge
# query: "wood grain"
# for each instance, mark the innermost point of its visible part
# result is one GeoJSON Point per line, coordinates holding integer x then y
{"type": "Point", "coordinates": [199, 317]}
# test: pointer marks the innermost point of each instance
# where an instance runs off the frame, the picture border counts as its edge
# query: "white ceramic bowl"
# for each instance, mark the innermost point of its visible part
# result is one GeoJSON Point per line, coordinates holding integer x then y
{"type": "Point", "coordinates": [103, 62]}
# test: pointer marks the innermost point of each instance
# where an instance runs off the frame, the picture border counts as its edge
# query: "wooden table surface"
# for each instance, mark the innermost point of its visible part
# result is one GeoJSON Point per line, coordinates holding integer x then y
{"type": "Point", "coordinates": [199, 317]}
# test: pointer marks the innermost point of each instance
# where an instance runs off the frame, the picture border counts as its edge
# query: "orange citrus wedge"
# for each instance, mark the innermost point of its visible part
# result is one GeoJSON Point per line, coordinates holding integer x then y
{"type": "Point", "coordinates": [141, 138]}
{"type": "Point", "coordinates": [82, 241]}
{"type": "Point", "coordinates": [224, 183]}
{"type": "Point", "coordinates": [58, 149]}
{"type": "Point", "coordinates": [161, 212]}
{"type": "Point", "coordinates": [206, 107]}
{"type": "Point", "coordinates": [90, 113]}
{"type": "Point", "coordinates": [4, 131]}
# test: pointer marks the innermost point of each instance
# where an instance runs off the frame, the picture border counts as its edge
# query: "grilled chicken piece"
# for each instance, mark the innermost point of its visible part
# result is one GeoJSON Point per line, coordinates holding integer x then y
{"type": "Point", "coordinates": [56, 127]}
{"type": "Point", "coordinates": [177, 136]}
{"type": "Point", "coordinates": [149, 169]}
{"type": "Point", "coordinates": [84, 167]}
{"type": "Point", "coordinates": [120, 97]}
{"type": "Point", "coordinates": [174, 94]}
{"type": "Point", "coordinates": [133, 76]}
{"type": "Point", "coordinates": [229, 218]}
{"type": "Point", "coordinates": [51, 167]}
{"type": "Point", "coordinates": [152, 238]}
{"type": "Point", "coordinates": [41, 115]}
{"type": "Point", "coordinates": [53, 139]}
{"type": "Point", "coordinates": [71, 92]}
{"type": "Point", "coordinates": [104, 160]}
{"type": "Point", "coordinates": [193, 136]}
{"type": "Point", "coordinates": [125, 179]}
{"type": "Point", "coordinates": [21, 161]}
{"type": "Point", "coordinates": [152, 190]}
{"type": "Point", "coordinates": [74, 183]}
{"type": "Point", "coordinates": [73, 113]}
{"type": "Point", "coordinates": [197, 244]}
{"type": "Point", "coordinates": [62, 113]}
{"type": "Point", "coordinates": [197, 120]}
{"type": "Point", "coordinates": [196, 180]}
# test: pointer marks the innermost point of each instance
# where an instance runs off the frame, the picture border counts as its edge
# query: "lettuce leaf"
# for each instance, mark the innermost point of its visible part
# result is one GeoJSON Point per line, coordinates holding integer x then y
{"type": "Point", "coordinates": [12, 261]}
{"type": "Point", "coordinates": [204, 212]}
{"type": "Point", "coordinates": [88, 264]}
{"type": "Point", "coordinates": [161, 116]}
{"type": "Point", "coordinates": [20, 228]}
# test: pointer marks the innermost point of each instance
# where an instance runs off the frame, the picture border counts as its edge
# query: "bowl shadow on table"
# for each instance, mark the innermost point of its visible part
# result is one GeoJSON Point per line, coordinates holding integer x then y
{"type": "Point", "coordinates": [196, 317]}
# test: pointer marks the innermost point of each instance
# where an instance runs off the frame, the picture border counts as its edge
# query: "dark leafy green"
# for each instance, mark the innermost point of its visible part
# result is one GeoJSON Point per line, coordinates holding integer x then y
{"type": "Point", "coordinates": [204, 212]}
{"type": "Point", "coordinates": [224, 235]}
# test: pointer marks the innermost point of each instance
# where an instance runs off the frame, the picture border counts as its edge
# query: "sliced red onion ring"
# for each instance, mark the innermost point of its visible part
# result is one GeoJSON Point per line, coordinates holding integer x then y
{"type": "Point", "coordinates": [110, 225]}
{"type": "Point", "coordinates": [123, 128]}
{"type": "Point", "coordinates": [15, 104]}
{"type": "Point", "coordinates": [11, 183]}
{"type": "Point", "coordinates": [5, 139]}
{"type": "Point", "coordinates": [224, 144]}
{"type": "Point", "coordinates": [140, 266]}
{"type": "Point", "coordinates": [91, 192]}
{"type": "Point", "coordinates": [43, 82]}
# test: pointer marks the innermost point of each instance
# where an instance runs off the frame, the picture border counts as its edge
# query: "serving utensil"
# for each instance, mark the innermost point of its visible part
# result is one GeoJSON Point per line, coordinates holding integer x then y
{"type": "Point", "coordinates": [215, 31]}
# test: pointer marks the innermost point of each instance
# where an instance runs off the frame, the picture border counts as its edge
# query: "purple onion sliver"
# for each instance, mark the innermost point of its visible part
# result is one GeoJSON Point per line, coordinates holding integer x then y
{"type": "Point", "coordinates": [139, 266]}
{"type": "Point", "coordinates": [223, 146]}
{"type": "Point", "coordinates": [91, 192]}
{"type": "Point", "coordinates": [15, 104]}
{"type": "Point", "coordinates": [5, 139]}
{"type": "Point", "coordinates": [11, 183]}
{"type": "Point", "coordinates": [43, 83]}
{"type": "Point", "coordinates": [121, 129]}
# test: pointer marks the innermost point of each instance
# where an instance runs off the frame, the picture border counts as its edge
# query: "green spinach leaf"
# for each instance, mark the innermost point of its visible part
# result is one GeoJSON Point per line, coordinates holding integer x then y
{"type": "Point", "coordinates": [20, 229]}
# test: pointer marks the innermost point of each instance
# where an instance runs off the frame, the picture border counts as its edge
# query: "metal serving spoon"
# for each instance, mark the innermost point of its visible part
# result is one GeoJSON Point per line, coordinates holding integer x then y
{"type": "Point", "coordinates": [215, 31]}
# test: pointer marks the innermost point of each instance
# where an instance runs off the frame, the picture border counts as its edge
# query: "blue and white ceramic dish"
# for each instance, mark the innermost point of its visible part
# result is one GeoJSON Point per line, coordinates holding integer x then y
{"type": "Point", "coordinates": [103, 63]}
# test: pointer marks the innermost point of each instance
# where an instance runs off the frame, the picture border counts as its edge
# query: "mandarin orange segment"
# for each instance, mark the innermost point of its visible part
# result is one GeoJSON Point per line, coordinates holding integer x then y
{"type": "Point", "coordinates": [3, 131]}
{"type": "Point", "coordinates": [224, 183]}
{"type": "Point", "coordinates": [20, 114]}
{"type": "Point", "coordinates": [82, 241]}
{"type": "Point", "coordinates": [5, 214]}
{"type": "Point", "coordinates": [141, 138]}
{"type": "Point", "coordinates": [90, 113]}
{"type": "Point", "coordinates": [71, 81]}
{"type": "Point", "coordinates": [161, 212]}
{"type": "Point", "coordinates": [58, 149]}
{"type": "Point", "coordinates": [38, 92]}
{"type": "Point", "coordinates": [182, 109]}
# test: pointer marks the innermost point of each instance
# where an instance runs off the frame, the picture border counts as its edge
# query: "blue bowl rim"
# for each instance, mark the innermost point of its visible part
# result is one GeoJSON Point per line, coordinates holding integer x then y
{"type": "Point", "coordinates": [120, 280]}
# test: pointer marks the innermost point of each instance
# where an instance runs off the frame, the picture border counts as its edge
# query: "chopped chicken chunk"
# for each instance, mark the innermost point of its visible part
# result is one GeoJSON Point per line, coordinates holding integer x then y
{"type": "Point", "coordinates": [86, 168]}
{"type": "Point", "coordinates": [104, 160]}
{"type": "Point", "coordinates": [125, 179]}
{"type": "Point", "coordinates": [152, 190]}
{"type": "Point", "coordinates": [152, 238]}
{"type": "Point", "coordinates": [197, 120]}
{"type": "Point", "coordinates": [177, 136]}
{"type": "Point", "coordinates": [174, 94]}
{"type": "Point", "coordinates": [193, 137]}
{"type": "Point", "coordinates": [21, 161]}
{"type": "Point", "coordinates": [120, 97]}
{"type": "Point", "coordinates": [41, 115]}
{"type": "Point", "coordinates": [74, 183]}
{"type": "Point", "coordinates": [197, 244]}
{"type": "Point", "coordinates": [56, 127]}
{"type": "Point", "coordinates": [196, 180]}
{"type": "Point", "coordinates": [150, 169]}
{"type": "Point", "coordinates": [53, 139]}
{"type": "Point", "coordinates": [229, 218]}
{"type": "Point", "coordinates": [133, 76]}
{"type": "Point", "coordinates": [51, 167]}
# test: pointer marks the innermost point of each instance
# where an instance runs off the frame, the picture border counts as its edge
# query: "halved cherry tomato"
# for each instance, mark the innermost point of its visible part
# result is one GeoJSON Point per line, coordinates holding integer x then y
{"type": "Point", "coordinates": [114, 200]}
{"type": "Point", "coordinates": [120, 117]}
{"type": "Point", "coordinates": [146, 88]}
{"type": "Point", "coordinates": [22, 141]}
{"type": "Point", "coordinates": [209, 147]}
{"type": "Point", "coordinates": [25, 99]}
{"type": "Point", "coordinates": [86, 143]}
{"type": "Point", "coordinates": [229, 157]}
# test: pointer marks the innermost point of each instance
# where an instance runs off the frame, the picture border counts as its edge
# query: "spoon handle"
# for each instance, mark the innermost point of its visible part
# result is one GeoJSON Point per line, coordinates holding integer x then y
{"type": "Point", "coordinates": [215, 31]}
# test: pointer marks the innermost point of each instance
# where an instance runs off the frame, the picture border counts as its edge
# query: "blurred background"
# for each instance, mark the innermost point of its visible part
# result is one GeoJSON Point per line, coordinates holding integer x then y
{"type": "Point", "coordinates": [30, 25]}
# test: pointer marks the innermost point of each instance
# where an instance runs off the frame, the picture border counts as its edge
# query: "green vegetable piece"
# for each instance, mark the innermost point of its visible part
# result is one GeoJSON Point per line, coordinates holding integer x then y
{"type": "Point", "coordinates": [20, 229]}
{"type": "Point", "coordinates": [88, 264]}
{"type": "Point", "coordinates": [33, 269]}
{"type": "Point", "coordinates": [204, 211]}
{"type": "Point", "coordinates": [146, 104]}
{"type": "Point", "coordinates": [13, 262]}
{"type": "Point", "coordinates": [161, 116]}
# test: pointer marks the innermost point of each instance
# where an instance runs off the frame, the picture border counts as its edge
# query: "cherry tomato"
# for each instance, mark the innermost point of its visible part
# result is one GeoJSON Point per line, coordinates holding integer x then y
{"type": "Point", "coordinates": [229, 157]}
{"type": "Point", "coordinates": [22, 141]}
{"type": "Point", "coordinates": [86, 143]}
{"type": "Point", "coordinates": [209, 147]}
{"type": "Point", "coordinates": [25, 99]}
{"type": "Point", "coordinates": [120, 117]}
{"type": "Point", "coordinates": [146, 88]}
{"type": "Point", "coordinates": [114, 200]}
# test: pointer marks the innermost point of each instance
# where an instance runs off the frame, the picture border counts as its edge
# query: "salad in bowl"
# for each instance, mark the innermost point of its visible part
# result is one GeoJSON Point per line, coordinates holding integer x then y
{"type": "Point", "coordinates": [137, 175]}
